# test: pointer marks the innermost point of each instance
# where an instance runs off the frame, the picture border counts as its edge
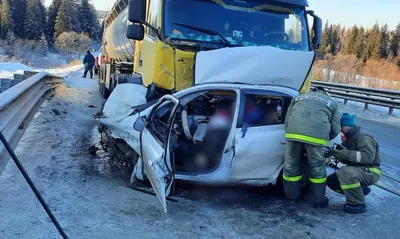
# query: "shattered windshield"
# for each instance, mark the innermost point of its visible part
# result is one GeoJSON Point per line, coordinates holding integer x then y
{"type": "Point", "coordinates": [238, 23]}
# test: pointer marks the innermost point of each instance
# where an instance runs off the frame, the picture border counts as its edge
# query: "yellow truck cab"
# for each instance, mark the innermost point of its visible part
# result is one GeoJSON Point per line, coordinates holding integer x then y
{"type": "Point", "coordinates": [167, 34]}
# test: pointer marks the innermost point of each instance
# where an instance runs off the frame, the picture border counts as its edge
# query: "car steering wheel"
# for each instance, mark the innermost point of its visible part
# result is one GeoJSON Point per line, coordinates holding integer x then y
{"type": "Point", "coordinates": [278, 34]}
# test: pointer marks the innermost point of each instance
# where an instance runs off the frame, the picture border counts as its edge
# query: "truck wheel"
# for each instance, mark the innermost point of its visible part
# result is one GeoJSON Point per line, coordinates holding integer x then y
{"type": "Point", "coordinates": [106, 93]}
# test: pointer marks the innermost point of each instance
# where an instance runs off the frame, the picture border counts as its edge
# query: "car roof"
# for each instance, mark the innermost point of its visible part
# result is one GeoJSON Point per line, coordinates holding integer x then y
{"type": "Point", "coordinates": [237, 86]}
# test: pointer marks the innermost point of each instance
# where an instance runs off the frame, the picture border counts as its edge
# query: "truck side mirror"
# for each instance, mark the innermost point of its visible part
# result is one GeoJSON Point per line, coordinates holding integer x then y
{"type": "Point", "coordinates": [137, 11]}
{"type": "Point", "coordinates": [140, 124]}
{"type": "Point", "coordinates": [135, 32]}
{"type": "Point", "coordinates": [317, 30]}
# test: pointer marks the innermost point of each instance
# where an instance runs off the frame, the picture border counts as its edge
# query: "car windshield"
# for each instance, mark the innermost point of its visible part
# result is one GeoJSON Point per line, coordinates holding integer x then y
{"type": "Point", "coordinates": [237, 23]}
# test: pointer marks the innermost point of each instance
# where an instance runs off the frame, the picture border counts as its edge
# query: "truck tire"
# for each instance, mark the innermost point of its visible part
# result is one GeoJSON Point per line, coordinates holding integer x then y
{"type": "Point", "coordinates": [104, 91]}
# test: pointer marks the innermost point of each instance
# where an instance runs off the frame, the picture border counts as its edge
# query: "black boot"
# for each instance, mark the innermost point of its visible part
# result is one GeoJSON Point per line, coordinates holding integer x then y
{"type": "Point", "coordinates": [366, 190]}
{"type": "Point", "coordinates": [322, 204]}
{"type": "Point", "coordinates": [355, 208]}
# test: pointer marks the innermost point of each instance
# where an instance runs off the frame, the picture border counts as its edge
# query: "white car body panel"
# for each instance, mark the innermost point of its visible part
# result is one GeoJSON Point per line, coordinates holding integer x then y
{"type": "Point", "coordinates": [254, 66]}
{"type": "Point", "coordinates": [120, 104]}
{"type": "Point", "coordinates": [153, 164]}
{"type": "Point", "coordinates": [266, 143]}
{"type": "Point", "coordinates": [260, 153]}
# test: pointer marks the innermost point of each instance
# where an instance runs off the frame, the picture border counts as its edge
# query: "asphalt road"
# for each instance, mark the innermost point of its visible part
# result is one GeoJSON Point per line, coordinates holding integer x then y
{"type": "Point", "coordinates": [91, 199]}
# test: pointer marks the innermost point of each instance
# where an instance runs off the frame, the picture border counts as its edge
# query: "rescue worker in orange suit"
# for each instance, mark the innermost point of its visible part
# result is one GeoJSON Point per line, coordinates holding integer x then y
{"type": "Point", "coordinates": [360, 154]}
{"type": "Point", "coordinates": [311, 122]}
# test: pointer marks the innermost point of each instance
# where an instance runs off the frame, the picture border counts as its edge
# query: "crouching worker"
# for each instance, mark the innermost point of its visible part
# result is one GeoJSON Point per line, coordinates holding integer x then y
{"type": "Point", "coordinates": [360, 152]}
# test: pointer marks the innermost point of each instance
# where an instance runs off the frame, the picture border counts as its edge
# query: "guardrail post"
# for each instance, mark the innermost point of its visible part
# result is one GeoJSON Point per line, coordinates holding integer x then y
{"type": "Point", "coordinates": [366, 106]}
{"type": "Point", "coordinates": [390, 110]}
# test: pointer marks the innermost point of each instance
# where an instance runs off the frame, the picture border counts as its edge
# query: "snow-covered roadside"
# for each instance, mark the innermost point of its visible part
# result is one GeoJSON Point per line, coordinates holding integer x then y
{"type": "Point", "coordinates": [90, 201]}
{"type": "Point", "coordinates": [7, 70]}
{"type": "Point", "coordinates": [374, 112]}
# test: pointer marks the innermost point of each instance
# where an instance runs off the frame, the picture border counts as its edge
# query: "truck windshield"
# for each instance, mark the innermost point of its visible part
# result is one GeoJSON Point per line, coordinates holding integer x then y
{"type": "Point", "coordinates": [241, 23]}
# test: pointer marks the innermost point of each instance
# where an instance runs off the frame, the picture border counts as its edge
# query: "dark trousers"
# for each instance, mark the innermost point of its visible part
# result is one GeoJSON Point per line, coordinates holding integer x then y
{"type": "Point", "coordinates": [87, 69]}
{"type": "Point", "coordinates": [349, 181]}
{"type": "Point", "coordinates": [293, 171]}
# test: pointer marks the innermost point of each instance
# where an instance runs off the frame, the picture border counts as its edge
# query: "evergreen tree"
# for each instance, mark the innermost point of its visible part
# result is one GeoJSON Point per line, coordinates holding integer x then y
{"type": "Point", "coordinates": [360, 43]}
{"type": "Point", "coordinates": [100, 33]}
{"type": "Point", "coordinates": [19, 16]}
{"type": "Point", "coordinates": [11, 42]}
{"type": "Point", "coordinates": [64, 18]}
{"type": "Point", "coordinates": [384, 47]}
{"type": "Point", "coordinates": [35, 22]}
{"type": "Point", "coordinates": [44, 47]}
{"type": "Point", "coordinates": [88, 19]}
{"type": "Point", "coordinates": [51, 20]}
{"type": "Point", "coordinates": [395, 41]}
{"type": "Point", "coordinates": [94, 23]}
{"type": "Point", "coordinates": [76, 14]}
{"type": "Point", "coordinates": [325, 38]}
{"type": "Point", "coordinates": [373, 44]}
{"type": "Point", "coordinates": [351, 40]}
{"type": "Point", "coordinates": [334, 42]}
{"type": "Point", "coordinates": [7, 23]}
{"type": "Point", "coordinates": [85, 12]}
{"type": "Point", "coordinates": [339, 31]}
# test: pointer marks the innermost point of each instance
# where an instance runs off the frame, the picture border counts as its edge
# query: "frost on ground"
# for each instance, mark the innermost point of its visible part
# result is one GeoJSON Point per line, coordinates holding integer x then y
{"type": "Point", "coordinates": [7, 70]}
{"type": "Point", "coordinates": [90, 198]}
{"type": "Point", "coordinates": [374, 112]}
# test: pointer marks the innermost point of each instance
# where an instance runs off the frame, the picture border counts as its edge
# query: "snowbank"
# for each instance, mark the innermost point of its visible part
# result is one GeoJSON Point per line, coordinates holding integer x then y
{"type": "Point", "coordinates": [8, 69]}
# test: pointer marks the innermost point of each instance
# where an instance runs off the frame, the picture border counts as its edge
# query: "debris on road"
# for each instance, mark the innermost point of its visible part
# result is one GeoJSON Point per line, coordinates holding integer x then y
{"type": "Point", "coordinates": [93, 150]}
{"type": "Point", "coordinates": [56, 111]}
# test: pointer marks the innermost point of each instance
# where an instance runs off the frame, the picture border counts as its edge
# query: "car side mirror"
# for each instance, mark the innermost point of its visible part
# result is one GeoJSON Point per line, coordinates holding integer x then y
{"type": "Point", "coordinates": [317, 30]}
{"type": "Point", "coordinates": [140, 124]}
{"type": "Point", "coordinates": [137, 11]}
{"type": "Point", "coordinates": [135, 32]}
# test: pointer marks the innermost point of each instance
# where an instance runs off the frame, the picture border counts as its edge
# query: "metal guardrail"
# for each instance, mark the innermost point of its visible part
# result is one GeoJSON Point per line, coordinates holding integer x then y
{"type": "Point", "coordinates": [19, 104]}
{"type": "Point", "coordinates": [386, 98]}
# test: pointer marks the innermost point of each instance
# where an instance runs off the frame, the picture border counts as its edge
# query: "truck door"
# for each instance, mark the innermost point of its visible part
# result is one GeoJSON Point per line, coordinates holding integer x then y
{"type": "Point", "coordinates": [155, 144]}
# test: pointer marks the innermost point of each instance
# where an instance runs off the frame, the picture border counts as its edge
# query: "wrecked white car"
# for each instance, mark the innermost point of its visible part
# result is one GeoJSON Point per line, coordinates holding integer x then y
{"type": "Point", "coordinates": [227, 128]}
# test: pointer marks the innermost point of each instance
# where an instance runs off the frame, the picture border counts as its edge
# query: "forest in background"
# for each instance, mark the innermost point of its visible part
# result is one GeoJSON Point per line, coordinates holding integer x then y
{"type": "Point", "coordinates": [31, 33]}
{"type": "Point", "coordinates": [357, 51]}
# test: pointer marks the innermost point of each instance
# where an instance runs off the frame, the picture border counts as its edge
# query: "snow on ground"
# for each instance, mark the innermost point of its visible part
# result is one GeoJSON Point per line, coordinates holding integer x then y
{"type": "Point", "coordinates": [374, 112]}
{"type": "Point", "coordinates": [8, 69]}
{"type": "Point", "coordinates": [90, 198]}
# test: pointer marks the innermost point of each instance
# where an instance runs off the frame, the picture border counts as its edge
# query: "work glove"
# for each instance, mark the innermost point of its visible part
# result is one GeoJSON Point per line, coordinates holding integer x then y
{"type": "Point", "coordinates": [340, 152]}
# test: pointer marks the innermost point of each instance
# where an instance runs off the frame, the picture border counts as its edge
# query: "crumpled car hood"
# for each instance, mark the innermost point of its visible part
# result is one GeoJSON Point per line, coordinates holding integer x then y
{"type": "Point", "coordinates": [254, 65]}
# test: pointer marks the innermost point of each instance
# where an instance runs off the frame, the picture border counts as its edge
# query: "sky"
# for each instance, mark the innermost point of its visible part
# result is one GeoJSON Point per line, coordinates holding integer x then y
{"type": "Point", "coordinates": [359, 12]}
{"type": "Point", "coordinates": [345, 12]}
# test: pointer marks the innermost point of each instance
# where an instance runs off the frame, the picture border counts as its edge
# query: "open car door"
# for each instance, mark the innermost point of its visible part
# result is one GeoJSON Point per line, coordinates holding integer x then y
{"type": "Point", "coordinates": [155, 136]}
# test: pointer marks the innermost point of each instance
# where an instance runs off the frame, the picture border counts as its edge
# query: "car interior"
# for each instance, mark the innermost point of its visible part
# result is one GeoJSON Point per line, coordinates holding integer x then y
{"type": "Point", "coordinates": [203, 122]}
{"type": "Point", "coordinates": [202, 128]}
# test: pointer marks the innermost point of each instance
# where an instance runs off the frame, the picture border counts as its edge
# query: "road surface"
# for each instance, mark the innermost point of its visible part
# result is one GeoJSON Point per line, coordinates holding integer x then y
{"type": "Point", "coordinates": [91, 200]}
